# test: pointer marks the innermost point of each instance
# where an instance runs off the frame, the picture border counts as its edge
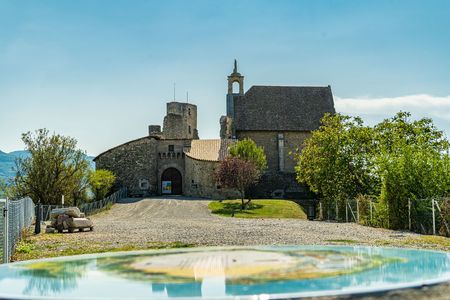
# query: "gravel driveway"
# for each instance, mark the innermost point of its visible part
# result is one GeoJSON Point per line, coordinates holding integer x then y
{"type": "Point", "coordinates": [188, 220]}
{"type": "Point", "coordinates": [171, 219]}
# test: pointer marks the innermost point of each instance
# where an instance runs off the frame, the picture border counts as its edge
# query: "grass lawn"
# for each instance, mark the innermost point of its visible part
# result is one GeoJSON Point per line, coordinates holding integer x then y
{"type": "Point", "coordinates": [431, 242]}
{"type": "Point", "coordinates": [261, 208]}
{"type": "Point", "coordinates": [63, 244]}
{"type": "Point", "coordinates": [421, 242]}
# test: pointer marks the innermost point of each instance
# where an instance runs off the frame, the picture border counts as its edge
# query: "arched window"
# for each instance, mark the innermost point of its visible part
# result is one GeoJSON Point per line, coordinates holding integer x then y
{"type": "Point", "coordinates": [235, 87]}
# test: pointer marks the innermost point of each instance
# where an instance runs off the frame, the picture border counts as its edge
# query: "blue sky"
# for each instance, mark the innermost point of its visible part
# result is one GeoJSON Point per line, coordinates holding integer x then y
{"type": "Point", "coordinates": [101, 71]}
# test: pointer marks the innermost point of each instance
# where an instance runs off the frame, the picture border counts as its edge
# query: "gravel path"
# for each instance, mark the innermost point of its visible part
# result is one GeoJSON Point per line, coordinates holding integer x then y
{"type": "Point", "coordinates": [168, 220]}
{"type": "Point", "coordinates": [173, 219]}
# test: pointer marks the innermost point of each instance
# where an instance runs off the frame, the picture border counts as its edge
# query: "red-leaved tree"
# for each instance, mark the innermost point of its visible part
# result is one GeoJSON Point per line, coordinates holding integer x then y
{"type": "Point", "coordinates": [239, 174]}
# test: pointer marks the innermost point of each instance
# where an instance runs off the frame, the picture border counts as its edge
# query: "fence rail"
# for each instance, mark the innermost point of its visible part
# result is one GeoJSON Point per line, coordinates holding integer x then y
{"type": "Point", "coordinates": [15, 215]}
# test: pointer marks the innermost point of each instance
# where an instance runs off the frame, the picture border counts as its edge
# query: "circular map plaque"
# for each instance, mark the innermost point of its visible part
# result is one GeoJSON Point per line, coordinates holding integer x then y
{"type": "Point", "coordinates": [218, 273]}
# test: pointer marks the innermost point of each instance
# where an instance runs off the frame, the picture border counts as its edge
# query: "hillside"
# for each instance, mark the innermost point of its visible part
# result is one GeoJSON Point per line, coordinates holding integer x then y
{"type": "Point", "coordinates": [7, 162]}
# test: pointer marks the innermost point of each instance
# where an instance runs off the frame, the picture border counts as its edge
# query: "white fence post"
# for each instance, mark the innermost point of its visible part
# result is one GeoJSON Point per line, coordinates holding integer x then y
{"type": "Point", "coordinates": [409, 214]}
{"type": "Point", "coordinates": [434, 218]}
{"type": "Point", "coordinates": [357, 211]}
{"type": "Point", "coordinates": [320, 211]}
{"type": "Point", "coordinates": [346, 210]}
{"type": "Point", "coordinates": [337, 211]}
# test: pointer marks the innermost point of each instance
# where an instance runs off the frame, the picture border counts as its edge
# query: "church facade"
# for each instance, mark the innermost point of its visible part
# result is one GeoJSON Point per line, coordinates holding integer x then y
{"type": "Point", "coordinates": [173, 160]}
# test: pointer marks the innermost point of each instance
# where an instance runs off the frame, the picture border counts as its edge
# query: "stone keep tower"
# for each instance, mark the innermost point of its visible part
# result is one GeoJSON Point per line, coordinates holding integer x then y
{"type": "Point", "coordinates": [180, 121]}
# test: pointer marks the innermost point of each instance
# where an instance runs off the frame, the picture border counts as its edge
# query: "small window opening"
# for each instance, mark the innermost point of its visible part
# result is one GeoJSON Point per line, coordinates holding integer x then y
{"type": "Point", "coordinates": [171, 148]}
{"type": "Point", "coordinates": [189, 128]}
{"type": "Point", "coordinates": [236, 87]}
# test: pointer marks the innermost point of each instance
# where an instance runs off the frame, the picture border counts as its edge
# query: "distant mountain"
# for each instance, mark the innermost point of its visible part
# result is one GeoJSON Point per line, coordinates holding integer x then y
{"type": "Point", "coordinates": [7, 162]}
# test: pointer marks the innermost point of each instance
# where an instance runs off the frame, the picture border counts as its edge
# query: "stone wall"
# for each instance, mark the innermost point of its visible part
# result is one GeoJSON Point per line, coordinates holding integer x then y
{"type": "Point", "coordinates": [276, 183]}
{"type": "Point", "coordinates": [171, 159]}
{"type": "Point", "coordinates": [180, 121]}
{"type": "Point", "coordinates": [174, 127]}
{"type": "Point", "coordinates": [200, 182]}
{"type": "Point", "coordinates": [293, 140]}
{"type": "Point", "coordinates": [266, 139]}
{"type": "Point", "coordinates": [281, 185]}
{"type": "Point", "coordinates": [269, 141]}
{"type": "Point", "coordinates": [134, 164]}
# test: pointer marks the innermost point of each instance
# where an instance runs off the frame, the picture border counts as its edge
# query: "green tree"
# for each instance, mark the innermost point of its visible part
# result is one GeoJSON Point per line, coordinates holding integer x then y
{"type": "Point", "coordinates": [335, 161]}
{"type": "Point", "coordinates": [396, 160]}
{"type": "Point", "coordinates": [55, 168]}
{"type": "Point", "coordinates": [412, 162]}
{"type": "Point", "coordinates": [3, 188]}
{"type": "Point", "coordinates": [247, 149]}
{"type": "Point", "coordinates": [101, 182]}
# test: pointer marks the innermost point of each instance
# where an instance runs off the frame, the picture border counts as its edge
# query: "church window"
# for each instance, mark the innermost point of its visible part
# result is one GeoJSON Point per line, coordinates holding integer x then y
{"type": "Point", "coordinates": [189, 128]}
{"type": "Point", "coordinates": [171, 148]}
{"type": "Point", "coordinates": [189, 111]}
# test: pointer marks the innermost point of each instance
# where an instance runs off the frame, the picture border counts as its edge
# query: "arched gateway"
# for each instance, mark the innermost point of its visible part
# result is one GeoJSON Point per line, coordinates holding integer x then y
{"type": "Point", "coordinates": [171, 182]}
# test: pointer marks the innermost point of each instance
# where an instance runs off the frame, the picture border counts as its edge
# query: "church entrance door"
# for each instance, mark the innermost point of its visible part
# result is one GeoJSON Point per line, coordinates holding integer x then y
{"type": "Point", "coordinates": [171, 182]}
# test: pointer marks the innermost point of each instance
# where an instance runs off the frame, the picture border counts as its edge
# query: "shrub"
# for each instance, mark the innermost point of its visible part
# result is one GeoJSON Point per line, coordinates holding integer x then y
{"type": "Point", "coordinates": [101, 182]}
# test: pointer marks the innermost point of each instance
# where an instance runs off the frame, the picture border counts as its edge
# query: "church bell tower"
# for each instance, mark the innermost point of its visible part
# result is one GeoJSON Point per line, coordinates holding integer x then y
{"type": "Point", "coordinates": [234, 77]}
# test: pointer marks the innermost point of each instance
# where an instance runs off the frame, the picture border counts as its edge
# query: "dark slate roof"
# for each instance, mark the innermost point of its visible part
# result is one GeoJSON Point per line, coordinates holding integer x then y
{"type": "Point", "coordinates": [282, 108]}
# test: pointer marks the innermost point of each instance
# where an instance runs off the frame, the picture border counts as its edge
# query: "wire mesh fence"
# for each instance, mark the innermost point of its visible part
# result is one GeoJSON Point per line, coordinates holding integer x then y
{"type": "Point", "coordinates": [93, 207]}
{"type": "Point", "coordinates": [3, 232]}
{"type": "Point", "coordinates": [426, 216]}
{"type": "Point", "coordinates": [88, 208]}
{"type": "Point", "coordinates": [429, 216]}
{"type": "Point", "coordinates": [16, 215]}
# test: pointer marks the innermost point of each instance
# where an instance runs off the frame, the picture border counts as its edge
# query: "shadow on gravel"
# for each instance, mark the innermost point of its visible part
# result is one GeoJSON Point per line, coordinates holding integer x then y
{"type": "Point", "coordinates": [135, 200]}
{"type": "Point", "coordinates": [130, 200]}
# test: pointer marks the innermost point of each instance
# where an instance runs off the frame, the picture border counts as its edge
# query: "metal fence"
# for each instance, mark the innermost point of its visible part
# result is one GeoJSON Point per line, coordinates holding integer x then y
{"type": "Point", "coordinates": [93, 207]}
{"type": "Point", "coordinates": [15, 216]}
{"type": "Point", "coordinates": [426, 216]}
{"type": "Point", "coordinates": [89, 208]}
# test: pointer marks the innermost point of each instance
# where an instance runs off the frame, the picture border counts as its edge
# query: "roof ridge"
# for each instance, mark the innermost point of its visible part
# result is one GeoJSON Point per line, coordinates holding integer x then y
{"type": "Point", "coordinates": [292, 86]}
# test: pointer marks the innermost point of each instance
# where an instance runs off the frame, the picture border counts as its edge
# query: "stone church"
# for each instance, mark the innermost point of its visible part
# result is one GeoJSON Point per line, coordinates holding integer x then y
{"type": "Point", "coordinates": [175, 161]}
